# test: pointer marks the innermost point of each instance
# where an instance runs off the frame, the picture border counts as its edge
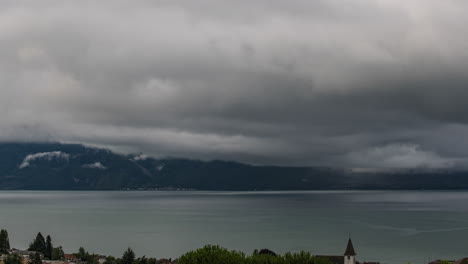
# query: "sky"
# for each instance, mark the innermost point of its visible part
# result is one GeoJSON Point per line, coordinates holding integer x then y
{"type": "Point", "coordinates": [342, 83]}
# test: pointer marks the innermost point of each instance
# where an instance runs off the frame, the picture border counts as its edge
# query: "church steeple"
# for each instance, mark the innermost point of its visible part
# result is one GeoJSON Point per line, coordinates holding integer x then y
{"type": "Point", "coordinates": [350, 249]}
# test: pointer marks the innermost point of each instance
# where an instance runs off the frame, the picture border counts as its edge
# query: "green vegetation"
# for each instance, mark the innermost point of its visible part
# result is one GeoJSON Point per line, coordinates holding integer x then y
{"type": "Point", "coordinates": [128, 257]}
{"type": "Point", "coordinates": [209, 254]}
{"type": "Point", "coordinates": [13, 259]}
{"type": "Point", "coordinates": [36, 258]}
{"type": "Point", "coordinates": [212, 254]}
{"type": "Point", "coordinates": [38, 244]}
{"type": "Point", "coordinates": [85, 256]}
{"type": "Point", "coordinates": [4, 242]}
{"type": "Point", "coordinates": [215, 254]}
{"type": "Point", "coordinates": [48, 248]}
{"type": "Point", "coordinates": [45, 247]}
{"type": "Point", "coordinates": [57, 253]}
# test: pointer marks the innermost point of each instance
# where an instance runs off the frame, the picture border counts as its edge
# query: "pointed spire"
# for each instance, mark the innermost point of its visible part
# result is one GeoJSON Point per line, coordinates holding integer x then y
{"type": "Point", "coordinates": [350, 249]}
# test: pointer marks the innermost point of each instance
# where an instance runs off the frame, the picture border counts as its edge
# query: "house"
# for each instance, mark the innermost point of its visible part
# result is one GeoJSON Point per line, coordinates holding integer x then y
{"type": "Point", "coordinates": [55, 262]}
{"type": "Point", "coordinates": [25, 254]}
{"type": "Point", "coordinates": [101, 259]}
{"type": "Point", "coordinates": [438, 261]}
{"type": "Point", "coordinates": [166, 261]}
{"type": "Point", "coordinates": [461, 261]}
{"type": "Point", "coordinates": [70, 257]}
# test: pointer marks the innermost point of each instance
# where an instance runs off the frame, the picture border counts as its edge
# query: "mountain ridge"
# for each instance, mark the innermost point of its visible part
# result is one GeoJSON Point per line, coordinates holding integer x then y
{"type": "Point", "coordinates": [57, 166]}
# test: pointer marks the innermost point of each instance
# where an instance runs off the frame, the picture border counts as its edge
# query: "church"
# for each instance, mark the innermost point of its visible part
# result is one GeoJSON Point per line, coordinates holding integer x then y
{"type": "Point", "coordinates": [349, 256]}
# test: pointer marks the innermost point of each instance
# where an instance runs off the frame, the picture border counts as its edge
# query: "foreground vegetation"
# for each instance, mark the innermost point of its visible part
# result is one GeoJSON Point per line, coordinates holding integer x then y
{"type": "Point", "coordinates": [216, 254]}
{"type": "Point", "coordinates": [44, 251]}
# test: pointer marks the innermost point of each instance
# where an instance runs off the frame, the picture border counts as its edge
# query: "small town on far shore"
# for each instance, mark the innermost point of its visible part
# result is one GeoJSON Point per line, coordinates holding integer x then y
{"type": "Point", "coordinates": [42, 251]}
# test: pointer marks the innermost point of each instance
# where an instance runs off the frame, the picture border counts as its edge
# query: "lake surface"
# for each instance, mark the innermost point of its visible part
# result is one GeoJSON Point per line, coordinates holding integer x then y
{"type": "Point", "coordinates": [386, 226]}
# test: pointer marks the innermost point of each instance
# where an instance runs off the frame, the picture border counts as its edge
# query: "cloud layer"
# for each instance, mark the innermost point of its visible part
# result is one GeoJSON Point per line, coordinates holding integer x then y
{"type": "Point", "coordinates": [95, 165]}
{"type": "Point", "coordinates": [57, 155]}
{"type": "Point", "coordinates": [327, 82]}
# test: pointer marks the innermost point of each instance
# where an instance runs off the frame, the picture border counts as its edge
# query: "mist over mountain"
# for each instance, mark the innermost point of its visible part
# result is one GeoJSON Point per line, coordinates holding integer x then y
{"type": "Point", "coordinates": [55, 166]}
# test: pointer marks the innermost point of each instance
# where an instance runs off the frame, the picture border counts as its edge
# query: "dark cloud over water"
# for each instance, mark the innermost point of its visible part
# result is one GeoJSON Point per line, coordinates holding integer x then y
{"type": "Point", "coordinates": [359, 83]}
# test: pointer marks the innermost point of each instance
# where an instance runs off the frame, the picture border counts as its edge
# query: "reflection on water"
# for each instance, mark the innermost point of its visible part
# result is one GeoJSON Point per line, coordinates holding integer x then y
{"type": "Point", "coordinates": [386, 226]}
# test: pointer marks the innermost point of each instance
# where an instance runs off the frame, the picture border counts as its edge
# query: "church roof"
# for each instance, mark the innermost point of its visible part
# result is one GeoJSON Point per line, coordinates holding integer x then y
{"type": "Point", "coordinates": [350, 249]}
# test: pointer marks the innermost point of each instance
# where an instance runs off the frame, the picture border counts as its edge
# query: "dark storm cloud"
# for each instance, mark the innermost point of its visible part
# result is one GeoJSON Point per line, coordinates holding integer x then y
{"type": "Point", "coordinates": [359, 83]}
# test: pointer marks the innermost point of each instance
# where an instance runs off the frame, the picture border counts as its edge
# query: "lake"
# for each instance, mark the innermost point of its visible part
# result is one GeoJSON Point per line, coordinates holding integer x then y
{"type": "Point", "coordinates": [386, 226]}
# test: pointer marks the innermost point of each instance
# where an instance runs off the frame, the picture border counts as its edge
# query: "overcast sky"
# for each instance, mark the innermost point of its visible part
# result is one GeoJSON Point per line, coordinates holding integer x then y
{"type": "Point", "coordinates": [346, 83]}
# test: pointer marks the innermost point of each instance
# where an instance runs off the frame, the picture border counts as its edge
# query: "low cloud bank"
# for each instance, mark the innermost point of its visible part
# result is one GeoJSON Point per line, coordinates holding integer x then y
{"type": "Point", "coordinates": [58, 155]}
{"type": "Point", "coordinates": [95, 165]}
{"type": "Point", "coordinates": [262, 81]}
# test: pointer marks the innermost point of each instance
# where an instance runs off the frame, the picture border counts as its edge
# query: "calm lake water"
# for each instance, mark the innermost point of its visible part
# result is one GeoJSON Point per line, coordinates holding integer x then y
{"type": "Point", "coordinates": [386, 226]}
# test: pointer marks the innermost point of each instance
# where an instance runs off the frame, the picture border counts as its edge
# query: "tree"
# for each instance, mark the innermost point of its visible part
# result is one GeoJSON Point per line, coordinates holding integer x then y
{"type": "Point", "coordinates": [4, 242]}
{"type": "Point", "coordinates": [266, 251]}
{"type": "Point", "coordinates": [212, 254]}
{"type": "Point", "coordinates": [35, 259]}
{"type": "Point", "coordinates": [128, 257]}
{"type": "Point", "coordinates": [152, 261]}
{"type": "Point", "coordinates": [265, 259]}
{"type": "Point", "coordinates": [58, 254]}
{"type": "Point", "coordinates": [82, 254]}
{"type": "Point", "coordinates": [13, 259]}
{"type": "Point", "coordinates": [142, 260]}
{"type": "Point", "coordinates": [92, 259]}
{"type": "Point", "coordinates": [49, 248]}
{"type": "Point", "coordinates": [38, 244]}
{"type": "Point", "coordinates": [110, 260]}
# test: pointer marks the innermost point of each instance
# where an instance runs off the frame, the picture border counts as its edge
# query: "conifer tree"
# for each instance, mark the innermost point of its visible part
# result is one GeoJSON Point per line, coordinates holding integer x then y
{"type": "Point", "coordinates": [38, 244]}
{"type": "Point", "coordinates": [128, 257]}
{"type": "Point", "coordinates": [4, 242]}
{"type": "Point", "coordinates": [49, 248]}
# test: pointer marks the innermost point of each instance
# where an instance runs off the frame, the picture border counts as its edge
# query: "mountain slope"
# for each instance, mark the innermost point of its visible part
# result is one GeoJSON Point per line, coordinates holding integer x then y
{"type": "Point", "coordinates": [53, 166]}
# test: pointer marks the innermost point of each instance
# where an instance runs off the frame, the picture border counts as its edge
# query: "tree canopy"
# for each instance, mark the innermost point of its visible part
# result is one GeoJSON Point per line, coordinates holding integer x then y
{"type": "Point", "coordinates": [215, 254]}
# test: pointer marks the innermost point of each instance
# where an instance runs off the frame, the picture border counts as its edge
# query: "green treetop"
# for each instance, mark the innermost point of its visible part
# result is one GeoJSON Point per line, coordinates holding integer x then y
{"type": "Point", "coordinates": [57, 253]}
{"type": "Point", "coordinates": [39, 244]}
{"type": "Point", "coordinates": [48, 248]}
{"type": "Point", "coordinates": [128, 257]}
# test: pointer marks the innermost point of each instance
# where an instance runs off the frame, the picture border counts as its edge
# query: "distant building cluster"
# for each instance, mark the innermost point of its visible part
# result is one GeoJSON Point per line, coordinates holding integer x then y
{"type": "Point", "coordinates": [27, 256]}
{"type": "Point", "coordinates": [460, 261]}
